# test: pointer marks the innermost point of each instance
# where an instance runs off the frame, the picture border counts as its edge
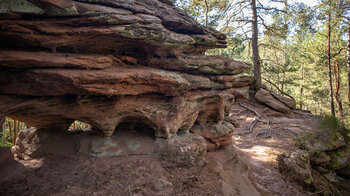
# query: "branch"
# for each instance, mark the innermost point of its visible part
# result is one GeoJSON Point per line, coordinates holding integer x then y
{"type": "Point", "coordinates": [272, 46]}
{"type": "Point", "coordinates": [268, 28]}
{"type": "Point", "coordinates": [278, 1]}
{"type": "Point", "coordinates": [270, 8]}
{"type": "Point", "coordinates": [242, 20]}
{"type": "Point", "coordinates": [279, 90]}
{"type": "Point", "coordinates": [336, 54]}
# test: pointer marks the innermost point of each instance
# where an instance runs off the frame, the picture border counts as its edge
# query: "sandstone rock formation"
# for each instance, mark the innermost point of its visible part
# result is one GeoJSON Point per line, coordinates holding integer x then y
{"type": "Point", "coordinates": [323, 156]}
{"type": "Point", "coordinates": [106, 62]}
{"type": "Point", "coordinates": [298, 166]}
{"type": "Point", "coordinates": [275, 101]}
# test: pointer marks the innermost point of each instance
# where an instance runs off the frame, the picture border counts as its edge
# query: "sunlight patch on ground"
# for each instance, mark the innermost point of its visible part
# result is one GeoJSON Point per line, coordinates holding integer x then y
{"type": "Point", "coordinates": [259, 153]}
{"type": "Point", "coordinates": [33, 164]}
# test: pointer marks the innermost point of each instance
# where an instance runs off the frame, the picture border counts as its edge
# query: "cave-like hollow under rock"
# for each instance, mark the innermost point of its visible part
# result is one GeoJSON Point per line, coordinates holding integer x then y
{"type": "Point", "coordinates": [103, 62]}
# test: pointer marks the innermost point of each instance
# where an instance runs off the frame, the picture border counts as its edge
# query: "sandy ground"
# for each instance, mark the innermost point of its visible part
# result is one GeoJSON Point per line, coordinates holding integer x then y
{"type": "Point", "coordinates": [62, 170]}
{"type": "Point", "coordinates": [260, 150]}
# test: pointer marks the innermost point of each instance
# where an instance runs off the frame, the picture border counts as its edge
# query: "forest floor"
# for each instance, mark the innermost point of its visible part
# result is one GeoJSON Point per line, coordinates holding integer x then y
{"type": "Point", "coordinates": [262, 144]}
{"type": "Point", "coordinates": [272, 135]}
{"type": "Point", "coordinates": [249, 165]}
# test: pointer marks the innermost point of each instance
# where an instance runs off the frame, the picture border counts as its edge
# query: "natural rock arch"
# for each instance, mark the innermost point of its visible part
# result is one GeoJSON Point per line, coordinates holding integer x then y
{"type": "Point", "coordinates": [139, 122]}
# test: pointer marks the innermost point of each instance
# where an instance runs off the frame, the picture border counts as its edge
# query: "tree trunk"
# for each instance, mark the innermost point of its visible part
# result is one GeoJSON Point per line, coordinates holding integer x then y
{"type": "Point", "coordinates": [301, 88]}
{"type": "Point", "coordinates": [255, 48]}
{"type": "Point", "coordinates": [329, 65]}
{"type": "Point", "coordinates": [283, 80]}
{"type": "Point", "coordinates": [10, 131]}
{"type": "Point", "coordinates": [14, 131]}
{"type": "Point", "coordinates": [337, 89]}
{"type": "Point", "coordinates": [206, 12]}
{"type": "Point", "coordinates": [349, 64]}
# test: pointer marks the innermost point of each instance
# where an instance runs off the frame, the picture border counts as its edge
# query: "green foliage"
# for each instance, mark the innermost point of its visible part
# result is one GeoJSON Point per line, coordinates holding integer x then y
{"type": "Point", "coordinates": [334, 124]}
{"type": "Point", "coordinates": [5, 140]}
{"type": "Point", "coordinates": [292, 45]}
{"type": "Point", "coordinates": [78, 125]}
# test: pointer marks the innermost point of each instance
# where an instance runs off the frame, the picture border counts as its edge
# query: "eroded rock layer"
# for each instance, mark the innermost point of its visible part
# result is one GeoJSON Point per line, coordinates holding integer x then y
{"type": "Point", "coordinates": [106, 62]}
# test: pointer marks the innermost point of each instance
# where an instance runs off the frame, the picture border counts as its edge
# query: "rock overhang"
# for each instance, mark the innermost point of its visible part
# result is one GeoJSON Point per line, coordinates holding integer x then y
{"type": "Point", "coordinates": [102, 61]}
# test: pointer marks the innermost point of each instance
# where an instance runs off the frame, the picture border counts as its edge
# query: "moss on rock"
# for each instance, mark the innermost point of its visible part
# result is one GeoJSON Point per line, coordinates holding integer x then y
{"type": "Point", "coordinates": [20, 6]}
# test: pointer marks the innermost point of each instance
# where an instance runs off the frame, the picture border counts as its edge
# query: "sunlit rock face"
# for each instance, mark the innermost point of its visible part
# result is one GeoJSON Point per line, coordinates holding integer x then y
{"type": "Point", "coordinates": [107, 62]}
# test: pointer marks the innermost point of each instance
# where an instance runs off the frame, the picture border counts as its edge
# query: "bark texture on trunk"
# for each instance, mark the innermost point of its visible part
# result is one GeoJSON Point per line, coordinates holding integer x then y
{"type": "Point", "coordinates": [329, 65]}
{"type": "Point", "coordinates": [255, 48]}
{"type": "Point", "coordinates": [206, 12]}
{"type": "Point", "coordinates": [301, 88]}
{"type": "Point", "coordinates": [349, 63]}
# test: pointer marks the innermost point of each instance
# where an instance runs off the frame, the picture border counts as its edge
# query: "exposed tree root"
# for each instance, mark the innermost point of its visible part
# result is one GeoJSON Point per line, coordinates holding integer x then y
{"type": "Point", "coordinates": [250, 109]}
{"type": "Point", "coordinates": [269, 132]}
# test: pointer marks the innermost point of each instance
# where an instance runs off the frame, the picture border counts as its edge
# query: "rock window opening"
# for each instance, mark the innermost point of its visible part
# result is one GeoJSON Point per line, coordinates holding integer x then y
{"type": "Point", "coordinates": [79, 126]}
{"type": "Point", "coordinates": [9, 129]}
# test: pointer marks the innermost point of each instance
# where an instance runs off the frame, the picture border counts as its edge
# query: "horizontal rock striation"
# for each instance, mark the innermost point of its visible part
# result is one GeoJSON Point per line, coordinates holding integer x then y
{"type": "Point", "coordinates": [106, 62]}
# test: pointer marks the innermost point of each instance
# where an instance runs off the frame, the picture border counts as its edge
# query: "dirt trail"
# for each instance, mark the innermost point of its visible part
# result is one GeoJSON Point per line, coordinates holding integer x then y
{"type": "Point", "coordinates": [260, 150]}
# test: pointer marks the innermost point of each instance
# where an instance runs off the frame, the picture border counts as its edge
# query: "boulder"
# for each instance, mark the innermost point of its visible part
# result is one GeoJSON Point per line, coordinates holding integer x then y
{"type": "Point", "coordinates": [321, 140]}
{"type": "Point", "coordinates": [217, 135]}
{"type": "Point", "coordinates": [265, 97]}
{"type": "Point", "coordinates": [286, 101]}
{"type": "Point", "coordinates": [340, 158]}
{"type": "Point", "coordinates": [181, 151]}
{"type": "Point", "coordinates": [320, 158]}
{"type": "Point", "coordinates": [297, 166]}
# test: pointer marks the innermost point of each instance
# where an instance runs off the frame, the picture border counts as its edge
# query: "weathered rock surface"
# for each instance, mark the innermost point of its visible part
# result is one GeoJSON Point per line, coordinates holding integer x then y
{"type": "Point", "coordinates": [275, 101]}
{"type": "Point", "coordinates": [5, 154]}
{"type": "Point", "coordinates": [217, 135]}
{"type": "Point", "coordinates": [340, 158]}
{"type": "Point", "coordinates": [298, 166]}
{"type": "Point", "coordinates": [221, 172]}
{"type": "Point", "coordinates": [344, 172]}
{"type": "Point", "coordinates": [180, 151]}
{"type": "Point", "coordinates": [106, 62]}
{"type": "Point", "coordinates": [286, 101]}
{"type": "Point", "coordinates": [2, 121]}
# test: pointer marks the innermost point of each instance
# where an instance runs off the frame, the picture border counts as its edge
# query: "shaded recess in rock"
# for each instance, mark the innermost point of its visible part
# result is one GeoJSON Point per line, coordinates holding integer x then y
{"type": "Point", "coordinates": [117, 63]}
